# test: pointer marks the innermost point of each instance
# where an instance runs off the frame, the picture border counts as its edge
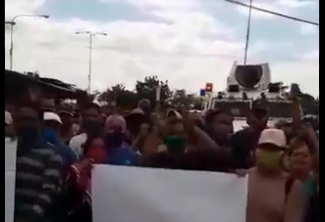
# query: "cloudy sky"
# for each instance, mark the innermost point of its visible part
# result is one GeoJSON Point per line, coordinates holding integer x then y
{"type": "Point", "coordinates": [188, 42]}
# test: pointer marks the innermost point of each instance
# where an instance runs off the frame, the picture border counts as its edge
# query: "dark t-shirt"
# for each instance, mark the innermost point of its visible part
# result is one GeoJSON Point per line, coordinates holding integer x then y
{"type": "Point", "coordinates": [204, 159]}
{"type": "Point", "coordinates": [244, 143]}
{"type": "Point", "coordinates": [312, 212]}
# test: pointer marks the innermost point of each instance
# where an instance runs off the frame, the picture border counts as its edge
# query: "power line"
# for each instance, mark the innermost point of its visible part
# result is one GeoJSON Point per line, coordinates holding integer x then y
{"type": "Point", "coordinates": [272, 12]}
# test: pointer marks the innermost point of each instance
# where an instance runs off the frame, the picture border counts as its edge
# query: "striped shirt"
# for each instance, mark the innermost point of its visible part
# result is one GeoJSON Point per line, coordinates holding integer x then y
{"type": "Point", "coordinates": [38, 182]}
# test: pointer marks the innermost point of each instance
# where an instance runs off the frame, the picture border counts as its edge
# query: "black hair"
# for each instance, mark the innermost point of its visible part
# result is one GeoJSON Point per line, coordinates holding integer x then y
{"type": "Point", "coordinates": [212, 114]}
{"type": "Point", "coordinates": [89, 141]}
{"type": "Point", "coordinates": [91, 105]}
{"type": "Point", "coordinates": [33, 106]}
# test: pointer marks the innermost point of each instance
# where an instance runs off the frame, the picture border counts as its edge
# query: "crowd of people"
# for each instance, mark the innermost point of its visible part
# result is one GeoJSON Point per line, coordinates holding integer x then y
{"type": "Point", "coordinates": [57, 147]}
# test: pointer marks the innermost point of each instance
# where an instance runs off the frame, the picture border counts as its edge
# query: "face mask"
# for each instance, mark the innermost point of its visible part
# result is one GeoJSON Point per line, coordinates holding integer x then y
{"type": "Point", "coordinates": [269, 159]}
{"type": "Point", "coordinates": [175, 144]}
{"type": "Point", "coordinates": [51, 136]}
{"type": "Point", "coordinates": [115, 139]}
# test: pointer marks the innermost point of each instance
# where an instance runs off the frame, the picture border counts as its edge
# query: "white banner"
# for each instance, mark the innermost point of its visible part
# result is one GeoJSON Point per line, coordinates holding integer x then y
{"type": "Point", "coordinates": [130, 194]}
{"type": "Point", "coordinates": [10, 176]}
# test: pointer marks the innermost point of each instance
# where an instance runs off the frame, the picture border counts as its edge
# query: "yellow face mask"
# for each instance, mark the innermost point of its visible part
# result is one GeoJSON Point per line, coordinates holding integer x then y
{"type": "Point", "coordinates": [269, 159]}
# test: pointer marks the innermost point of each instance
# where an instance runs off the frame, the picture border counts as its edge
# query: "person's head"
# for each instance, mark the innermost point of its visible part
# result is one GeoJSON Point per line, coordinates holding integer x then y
{"type": "Point", "coordinates": [134, 120]}
{"type": "Point", "coordinates": [258, 116]}
{"type": "Point", "coordinates": [92, 119]}
{"type": "Point", "coordinates": [300, 161]}
{"type": "Point", "coordinates": [145, 105]}
{"type": "Point", "coordinates": [47, 105]}
{"type": "Point", "coordinates": [258, 119]}
{"type": "Point", "coordinates": [174, 132]}
{"type": "Point", "coordinates": [51, 127]}
{"type": "Point", "coordinates": [219, 117]}
{"type": "Point", "coordinates": [174, 124]}
{"type": "Point", "coordinates": [115, 130]}
{"type": "Point", "coordinates": [51, 121]}
{"type": "Point", "coordinates": [94, 148]}
{"type": "Point", "coordinates": [66, 115]}
{"type": "Point", "coordinates": [220, 126]}
{"type": "Point", "coordinates": [28, 122]}
{"type": "Point", "coordinates": [270, 150]}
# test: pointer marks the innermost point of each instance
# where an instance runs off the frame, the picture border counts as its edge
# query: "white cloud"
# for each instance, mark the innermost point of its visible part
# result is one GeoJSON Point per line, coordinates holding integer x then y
{"type": "Point", "coordinates": [16, 7]}
{"type": "Point", "coordinates": [289, 7]}
{"type": "Point", "coordinates": [162, 5]}
{"type": "Point", "coordinates": [186, 52]}
{"type": "Point", "coordinates": [296, 3]}
{"type": "Point", "coordinates": [307, 29]}
{"type": "Point", "coordinates": [313, 55]}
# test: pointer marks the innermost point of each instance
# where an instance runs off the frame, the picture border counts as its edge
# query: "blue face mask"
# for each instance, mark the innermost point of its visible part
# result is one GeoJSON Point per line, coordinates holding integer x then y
{"type": "Point", "coordinates": [51, 136]}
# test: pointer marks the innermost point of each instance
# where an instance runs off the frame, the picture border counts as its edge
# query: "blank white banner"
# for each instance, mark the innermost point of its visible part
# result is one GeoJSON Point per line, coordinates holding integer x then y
{"type": "Point", "coordinates": [130, 194]}
{"type": "Point", "coordinates": [10, 176]}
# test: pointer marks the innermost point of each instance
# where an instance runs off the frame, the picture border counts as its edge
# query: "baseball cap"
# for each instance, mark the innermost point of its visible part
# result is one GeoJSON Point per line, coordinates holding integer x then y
{"type": "Point", "coordinates": [50, 116]}
{"type": "Point", "coordinates": [273, 136]}
{"type": "Point", "coordinates": [173, 113]}
{"type": "Point", "coordinates": [8, 118]}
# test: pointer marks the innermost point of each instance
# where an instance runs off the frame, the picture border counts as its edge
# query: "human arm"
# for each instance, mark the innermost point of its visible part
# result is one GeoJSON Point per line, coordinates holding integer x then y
{"type": "Point", "coordinates": [295, 204]}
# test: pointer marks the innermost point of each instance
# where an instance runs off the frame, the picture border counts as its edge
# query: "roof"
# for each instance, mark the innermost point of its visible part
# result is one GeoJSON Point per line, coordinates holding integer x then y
{"type": "Point", "coordinates": [14, 80]}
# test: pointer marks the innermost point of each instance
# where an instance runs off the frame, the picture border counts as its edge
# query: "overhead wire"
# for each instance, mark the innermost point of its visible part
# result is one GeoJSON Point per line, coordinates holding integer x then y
{"type": "Point", "coordinates": [272, 12]}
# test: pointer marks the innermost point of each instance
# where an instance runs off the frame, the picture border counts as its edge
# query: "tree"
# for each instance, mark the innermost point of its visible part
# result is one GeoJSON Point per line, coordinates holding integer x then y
{"type": "Point", "coordinates": [119, 96]}
{"type": "Point", "coordinates": [147, 89]}
{"type": "Point", "coordinates": [181, 99]}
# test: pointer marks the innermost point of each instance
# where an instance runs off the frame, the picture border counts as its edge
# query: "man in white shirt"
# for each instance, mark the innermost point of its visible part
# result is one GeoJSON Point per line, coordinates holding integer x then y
{"type": "Point", "coordinates": [92, 124]}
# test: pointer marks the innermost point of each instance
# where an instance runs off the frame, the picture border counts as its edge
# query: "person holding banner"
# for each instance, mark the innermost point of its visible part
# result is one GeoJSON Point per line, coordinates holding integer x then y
{"type": "Point", "coordinates": [272, 195]}
{"type": "Point", "coordinates": [78, 184]}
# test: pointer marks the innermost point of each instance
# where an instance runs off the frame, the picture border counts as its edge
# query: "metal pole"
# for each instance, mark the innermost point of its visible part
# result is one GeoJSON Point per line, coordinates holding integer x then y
{"type": "Point", "coordinates": [12, 23]}
{"type": "Point", "coordinates": [90, 61]}
{"type": "Point", "coordinates": [11, 45]}
{"type": "Point", "coordinates": [91, 35]}
{"type": "Point", "coordinates": [248, 31]}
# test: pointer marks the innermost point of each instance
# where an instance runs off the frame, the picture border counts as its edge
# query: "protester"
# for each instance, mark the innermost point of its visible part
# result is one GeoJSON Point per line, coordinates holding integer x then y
{"type": "Point", "coordinates": [185, 146]}
{"type": "Point", "coordinates": [272, 197]}
{"type": "Point", "coordinates": [119, 152]}
{"type": "Point", "coordinates": [282, 163]}
{"type": "Point", "coordinates": [134, 121]}
{"type": "Point", "coordinates": [219, 126]}
{"type": "Point", "coordinates": [51, 134]}
{"type": "Point", "coordinates": [76, 122]}
{"type": "Point", "coordinates": [312, 213]}
{"type": "Point", "coordinates": [39, 169]}
{"type": "Point", "coordinates": [244, 142]}
{"type": "Point", "coordinates": [300, 160]}
{"type": "Point", "coordinates": [78, 187]}
{"type": "Point", "coordinates": [9, 129]}
{"type": "Point", "coordinates": [145, 105]}
{"type": "Point", "coordinates": [66, 131]}
{"type": "Point", "coordinates": [92, 124]}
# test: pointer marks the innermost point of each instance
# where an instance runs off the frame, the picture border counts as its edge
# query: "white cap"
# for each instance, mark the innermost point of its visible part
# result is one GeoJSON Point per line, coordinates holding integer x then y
{"type": "Point", "coordinates": [52, 116]}
{"type": "Point", "coordinates": [8, 118]}
{"type": "Point", "coordinates": [176, 113]}
{"type": "Point", "coordinates": [273, 136]}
